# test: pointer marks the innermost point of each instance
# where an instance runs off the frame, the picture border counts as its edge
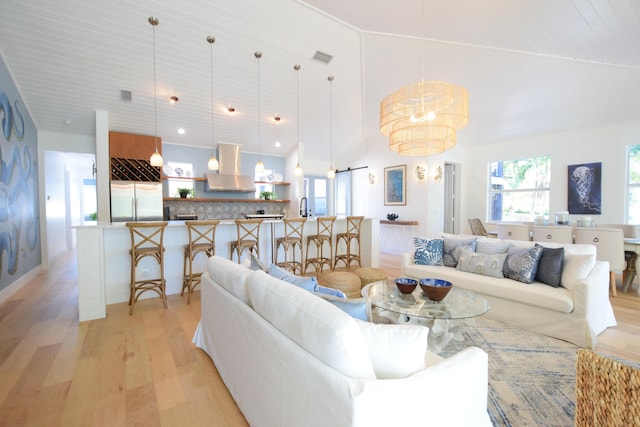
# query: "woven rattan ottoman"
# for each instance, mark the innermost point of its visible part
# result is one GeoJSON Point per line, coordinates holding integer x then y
{"type": "Point", "coordinates": [369, 275]}
{"type": "Point", "coordinates": [344, 281]}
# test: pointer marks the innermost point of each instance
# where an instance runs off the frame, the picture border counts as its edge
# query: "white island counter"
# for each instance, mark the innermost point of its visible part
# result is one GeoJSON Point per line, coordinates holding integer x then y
{"type": "Point", "coordinates": [104, 262]}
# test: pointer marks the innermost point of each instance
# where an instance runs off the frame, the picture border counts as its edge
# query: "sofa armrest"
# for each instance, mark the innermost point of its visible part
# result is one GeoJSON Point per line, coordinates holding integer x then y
{"type": "Point", "coordinates": [406, 259]}
{"type": "Point", "coordinates": [591, 298]}
{"type": "Point", "coordinates": [435, 392]}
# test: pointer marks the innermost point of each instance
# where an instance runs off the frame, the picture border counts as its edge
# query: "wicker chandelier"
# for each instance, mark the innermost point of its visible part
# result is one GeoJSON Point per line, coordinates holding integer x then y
{"type": "Point", "coordinates": [422, 118]}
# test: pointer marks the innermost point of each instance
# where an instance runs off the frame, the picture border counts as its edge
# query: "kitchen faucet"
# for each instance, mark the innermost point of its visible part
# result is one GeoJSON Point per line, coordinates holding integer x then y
{"type": "Point", "coordinates": [304, 212]}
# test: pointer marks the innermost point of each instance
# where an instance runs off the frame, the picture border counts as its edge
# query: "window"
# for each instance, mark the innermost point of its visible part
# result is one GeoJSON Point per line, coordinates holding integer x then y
{"type": "Point", "coordinates": [519, 189]}
{"type": "Point", "coordinates": [315, 190]}
{"type": "Point", "coordinates": [181, 171]}
{"type": "Point", "coordinates": [633, 184]}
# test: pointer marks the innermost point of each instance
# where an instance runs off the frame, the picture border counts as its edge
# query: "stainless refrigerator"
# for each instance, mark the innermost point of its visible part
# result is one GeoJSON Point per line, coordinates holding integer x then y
{"type": "Point", "coordinates": [136, 201]}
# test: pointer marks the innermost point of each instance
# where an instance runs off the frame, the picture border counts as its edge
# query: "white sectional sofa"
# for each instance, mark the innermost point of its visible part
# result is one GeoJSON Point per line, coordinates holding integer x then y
{"type": "Point", "coordinates": [577, 311]}
{"type": "Point", "coordinates": [290, 358]}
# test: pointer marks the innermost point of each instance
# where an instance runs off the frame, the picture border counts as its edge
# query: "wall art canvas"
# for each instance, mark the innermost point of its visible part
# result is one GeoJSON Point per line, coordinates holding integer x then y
{"type": "Point", "coordinates": [395, 185]}
{"type": "Point", "coordinates": [585, 189]}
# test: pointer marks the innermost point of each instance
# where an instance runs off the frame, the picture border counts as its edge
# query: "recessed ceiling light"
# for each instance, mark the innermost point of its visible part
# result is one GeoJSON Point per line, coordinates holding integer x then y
{"type": "Point", "coordinates": [67, 122]}
{"type": "Point", "coordinates": [277, 143]}
{"type": "Point", "coordinates": [277, 119]}
{"type": "Point", "coordinates": [181, 131]}
{"type": "Point", "coordinates": [231, 110]}
{"type": "Point", "coordinates": [173, 99]}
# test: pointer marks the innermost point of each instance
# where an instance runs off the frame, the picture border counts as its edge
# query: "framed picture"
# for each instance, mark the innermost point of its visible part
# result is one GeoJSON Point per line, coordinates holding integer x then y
{"type": "Point", "coordinates": [585, 188]}
{"type": "Point", "coordinates": [395, 185]}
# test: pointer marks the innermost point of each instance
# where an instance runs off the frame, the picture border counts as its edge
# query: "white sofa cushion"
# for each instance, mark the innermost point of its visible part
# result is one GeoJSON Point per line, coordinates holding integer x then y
{"type": "Point", "coordinates": [231, 276]}
{"type": "Point", "coordinates": [396, 351]}
{"type": "Point", "coordinates": [315, 325]}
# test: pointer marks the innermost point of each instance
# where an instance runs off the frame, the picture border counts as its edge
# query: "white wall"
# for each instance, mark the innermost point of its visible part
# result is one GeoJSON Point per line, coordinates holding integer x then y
{"type": "Point", "coordinates": [605, 144]}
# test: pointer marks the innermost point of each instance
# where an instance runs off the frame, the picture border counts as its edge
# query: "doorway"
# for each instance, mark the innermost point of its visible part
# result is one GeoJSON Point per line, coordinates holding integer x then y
{"type": "Point", "coordinates": [451, 204]}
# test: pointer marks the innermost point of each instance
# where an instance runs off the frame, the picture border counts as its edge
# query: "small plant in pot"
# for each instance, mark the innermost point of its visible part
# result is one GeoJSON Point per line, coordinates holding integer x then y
{"type": "Point", "coordinates": [268, 195]}
{"type": "Point", "coordinates": [185, 192]}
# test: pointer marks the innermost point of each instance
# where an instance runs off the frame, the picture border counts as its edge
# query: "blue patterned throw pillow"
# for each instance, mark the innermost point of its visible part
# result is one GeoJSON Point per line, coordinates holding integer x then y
{"type": "Point", "coordinates": [522, 263]}
{"type": "Point", "coordinates": [453, 247]}
{"type": "Point", "coordinates": [427, 251]}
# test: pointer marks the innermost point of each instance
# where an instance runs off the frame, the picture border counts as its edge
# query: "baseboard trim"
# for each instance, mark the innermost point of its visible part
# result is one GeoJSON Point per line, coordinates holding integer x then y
{"type": "Point", "coordinates": [14, 287]}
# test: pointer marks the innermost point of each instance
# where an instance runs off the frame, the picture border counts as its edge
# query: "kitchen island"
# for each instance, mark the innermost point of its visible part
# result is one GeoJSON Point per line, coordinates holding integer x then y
{"type": "Point", "coordinates": [104, 262]}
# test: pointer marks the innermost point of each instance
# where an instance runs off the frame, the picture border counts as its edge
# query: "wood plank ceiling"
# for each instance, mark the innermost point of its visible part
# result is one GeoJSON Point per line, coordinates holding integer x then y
{"type": "Point", "coordinates": [531, 66]}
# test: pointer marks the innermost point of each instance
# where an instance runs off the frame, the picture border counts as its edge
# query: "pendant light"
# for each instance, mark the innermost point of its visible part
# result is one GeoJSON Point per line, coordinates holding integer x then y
{"type": "Point", "coordinates": [156, 158]}
{"type": "Point", "coordinates": [331, 173]}
{"type": "Point", "coordinates": [212, 164]}
{"type": "Point", "coordinates": [298, 170]}
{"type": "Point", "coordinates": [259, 165]}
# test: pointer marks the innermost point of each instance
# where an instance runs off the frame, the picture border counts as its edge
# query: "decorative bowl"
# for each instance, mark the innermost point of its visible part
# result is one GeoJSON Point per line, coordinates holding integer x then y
{"type": "Point", "coordinates": [435, 289]}
{"type": "Point", "coordinates": [406, 285]}
{"type": "Point", "coordinates": [392, 216]}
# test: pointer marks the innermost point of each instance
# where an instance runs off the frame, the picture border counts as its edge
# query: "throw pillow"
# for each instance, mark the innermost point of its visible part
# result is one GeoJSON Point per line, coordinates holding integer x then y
{"type": "Point", "coordinates": [486, 246]}
{"type": "Point", "coordinates": [337, 293]}
{"type": "Point", "coordinates": [427, 251]}
{"type": "Point", "coordinates": [453, 247]}
{"type": "Point", "coordinates": [522, 263]}
{"type": "Point", "coordinates": [256, 264]}
{"type": "Point", "coordinates": [550, 266]}
{"type": "Point", "coordinates": [308, 283]}
{"type": "Point", "coordinates": [487, 265]}
{"type": "Point", "coordinates": [358, 308]}
{"type": "Point", "coordinates": [396, 351]}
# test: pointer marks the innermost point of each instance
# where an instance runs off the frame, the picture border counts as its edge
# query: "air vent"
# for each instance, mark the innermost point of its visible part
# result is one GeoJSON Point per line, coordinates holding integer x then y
{"type": "Point", "coordinates": [322, 57]}
{"type": "Point", "coordinates": [126, 95]}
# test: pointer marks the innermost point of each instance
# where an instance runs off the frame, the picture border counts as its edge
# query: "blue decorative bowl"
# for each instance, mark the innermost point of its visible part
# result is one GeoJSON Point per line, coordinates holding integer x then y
{"type": "Point", "coordinates": [435, 289]}
{"type": "Point", "coordinates": [406, 285]}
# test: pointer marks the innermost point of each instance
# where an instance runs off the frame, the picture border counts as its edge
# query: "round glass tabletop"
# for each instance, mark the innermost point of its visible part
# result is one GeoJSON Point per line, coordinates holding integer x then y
{"type": "Point", "coordinates": [458, 304]}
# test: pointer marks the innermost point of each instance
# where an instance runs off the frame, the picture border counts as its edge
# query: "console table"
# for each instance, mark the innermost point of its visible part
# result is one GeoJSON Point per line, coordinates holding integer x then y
{"type": "Point", "coordinates": [396, 237]}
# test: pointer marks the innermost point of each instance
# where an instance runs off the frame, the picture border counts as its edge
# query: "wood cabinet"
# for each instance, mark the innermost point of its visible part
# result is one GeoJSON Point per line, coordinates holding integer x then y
{"type": "Point", "coordinates": [132, 146]}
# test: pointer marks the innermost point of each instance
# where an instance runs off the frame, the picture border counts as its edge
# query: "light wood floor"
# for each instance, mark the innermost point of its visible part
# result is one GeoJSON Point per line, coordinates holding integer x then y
{"type": "Point", "coordinates": [141, 369]}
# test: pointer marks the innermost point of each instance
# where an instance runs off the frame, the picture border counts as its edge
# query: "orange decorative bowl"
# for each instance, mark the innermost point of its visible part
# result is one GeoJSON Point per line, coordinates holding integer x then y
{"type": "Point", "coordinates": [406, 285]}
{"type": "Point", "coordinates": [435, 289]}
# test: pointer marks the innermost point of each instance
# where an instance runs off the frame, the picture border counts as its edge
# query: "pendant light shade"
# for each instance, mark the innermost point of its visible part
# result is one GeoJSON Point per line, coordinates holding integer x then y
{"type": "Point", "coordinates": [422, 118]}
{"type": "Point", "coordinates": [331, 173]}
{"type": "Point", "coordinates": [212, 164]}
{"type": "Point", "coordinates": [156, 158]}
{"type": "Point", "coordinates": [259, 165]}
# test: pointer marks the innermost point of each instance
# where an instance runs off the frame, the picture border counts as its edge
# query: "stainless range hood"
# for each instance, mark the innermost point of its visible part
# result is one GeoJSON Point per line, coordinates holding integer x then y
{"type": "Point", "coordinates": [228, 177]}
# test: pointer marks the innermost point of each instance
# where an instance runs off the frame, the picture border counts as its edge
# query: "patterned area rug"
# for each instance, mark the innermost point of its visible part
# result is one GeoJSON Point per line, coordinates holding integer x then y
{"type": "Point", "coordinates": [531, 376]}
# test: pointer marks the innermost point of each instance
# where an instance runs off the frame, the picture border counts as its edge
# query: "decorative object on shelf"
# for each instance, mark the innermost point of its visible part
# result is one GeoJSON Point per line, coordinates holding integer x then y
{"type": "Point", "coordinates": [185, 192]}
{"type": "Point", "coordinates": [259, 165]}
{"type": "Point", "coordinates": [437, 176]}
{"type": "Point", "coordinates": [156, 158]}
{"type": "Point", "coordinates": [212, 164]}
{"type": "Point", "coordinates": [298, 170]}
{"type": "Point", "coordinates": [392, 216]}
{"type": "Point", "coordinates": [435, 289]}
{"type": "Point", "coordinates": [331, 173]}
{"type": "Point", "coordinates": [422, 118]}
{"type": "Point", "coordinates": [395, 185]}
{"type": "Point", "coordinates": [420, 172]}
{"type": "Point", "coordinates": [268, 195]}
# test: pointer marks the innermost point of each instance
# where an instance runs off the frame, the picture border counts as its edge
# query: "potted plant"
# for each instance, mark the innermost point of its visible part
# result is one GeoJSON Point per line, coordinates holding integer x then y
{"type": "Point", "coordinates": [185, 192]}
{"type": "Point", "coordinates": [268, 195]}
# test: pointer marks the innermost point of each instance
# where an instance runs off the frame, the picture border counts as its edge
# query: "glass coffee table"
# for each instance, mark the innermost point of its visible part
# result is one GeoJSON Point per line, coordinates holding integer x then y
{"type": "Point", "coordinates": [446, 319]}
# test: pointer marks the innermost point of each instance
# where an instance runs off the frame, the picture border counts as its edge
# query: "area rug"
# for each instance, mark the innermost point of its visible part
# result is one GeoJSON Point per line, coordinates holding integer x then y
{"type": "Point", "coordinates": [531, 376]}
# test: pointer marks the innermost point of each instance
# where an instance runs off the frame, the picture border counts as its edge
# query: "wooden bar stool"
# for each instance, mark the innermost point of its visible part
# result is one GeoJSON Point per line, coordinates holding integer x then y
{"type": "Point", "coordinates": [352, 235]}
{"type": "Point", "coordinates": [324, 235]}
{"type": "Point", "coordinates": [248, 238]}
{"type": "Point", "coordinates": [201, 240]}
{"type": "Point", "coordinates": [147, 240]}
{"type": "Point", "coordinates": [292, 238]}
